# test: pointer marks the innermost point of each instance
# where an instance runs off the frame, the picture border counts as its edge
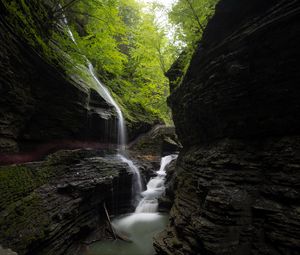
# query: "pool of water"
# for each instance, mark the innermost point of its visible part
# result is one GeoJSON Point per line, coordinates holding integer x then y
{"type": "Point", "coordinates": [139, 228]}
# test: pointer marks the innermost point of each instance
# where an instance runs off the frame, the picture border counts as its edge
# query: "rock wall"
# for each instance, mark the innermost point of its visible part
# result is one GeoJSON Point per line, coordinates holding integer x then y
{"type": "Point", "coordinates": [39, 103]}
{"type": "Point", "coordinates": [50, 207]}
{"type": "Point", "coordinates": [237, 115]}
{"type": "Point", "coordinates": [242, 80]}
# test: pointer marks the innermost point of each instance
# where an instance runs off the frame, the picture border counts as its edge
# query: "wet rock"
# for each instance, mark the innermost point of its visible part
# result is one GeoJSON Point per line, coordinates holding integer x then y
{"type": "Point", "coordinates": [50, 206]}
{"type": "Point", "coordinates": [6, 251]}
{"type": "Point", "coordinates": [236, 114]}
{"type": "Point", "coordinates": [160, 140]}
{"type": "Point", "coordinates": [242, 80]}
{"type": "Point", "coordinates": [148, 149]}
{"type": "Point", "coordinates": [236, 198]}
{"type": "Point", "coordinates": [166, 202]}
{"type": "Point", "coordinates": [40, 103]}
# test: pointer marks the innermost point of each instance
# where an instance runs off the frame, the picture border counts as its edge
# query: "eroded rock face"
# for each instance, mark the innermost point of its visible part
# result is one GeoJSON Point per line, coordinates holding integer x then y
{"type": "Point", "coordinates": [49, 207]}
{"type": "Point", "coordinates": [39, 103]}
{"type": "Point", "coordinates": [243, 79]}
{"type": "Point", "coordinates": [236, 112]}
{"type": "Point", "coordinates": [236, 198]}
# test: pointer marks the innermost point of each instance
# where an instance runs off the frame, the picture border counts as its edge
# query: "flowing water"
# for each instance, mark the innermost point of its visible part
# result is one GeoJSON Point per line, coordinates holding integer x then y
{"type": "Point", "coordinates": [136, 180]}
{"type": "Point", "coordinates": [104, 93]}
{"type": "Point", "coordinates": [140, 226]}
{"type": "Point", "coordinates": [107, 96]}
{"type": "Point", "coordinates": [155, 189]}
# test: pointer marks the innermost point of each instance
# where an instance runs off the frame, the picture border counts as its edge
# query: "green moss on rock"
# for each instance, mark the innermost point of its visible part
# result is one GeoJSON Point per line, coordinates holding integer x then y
{"type": "Point", "coordinates": [26, 220]}
{"type": "Point", "coordinates": [19, 180]}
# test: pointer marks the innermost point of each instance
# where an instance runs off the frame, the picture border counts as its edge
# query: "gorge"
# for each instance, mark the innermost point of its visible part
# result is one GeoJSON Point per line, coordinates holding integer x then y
{"type": "Point", "coordinates": [77, 76]}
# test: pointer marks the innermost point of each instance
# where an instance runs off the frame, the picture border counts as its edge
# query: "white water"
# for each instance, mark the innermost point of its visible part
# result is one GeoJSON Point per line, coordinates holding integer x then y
{"type": "Point", "coordinates": [105, 94]}
{"type": "Point", "coordinates": [137, 180]}
{"type": "Point", "coordinates": [155, 188]}
{"type": "Point", "coordinates": [145, 221]}
{"type": "Point", "coordinates": [140, 226]}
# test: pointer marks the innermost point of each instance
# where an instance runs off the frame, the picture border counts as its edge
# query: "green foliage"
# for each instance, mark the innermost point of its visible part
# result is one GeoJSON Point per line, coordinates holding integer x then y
{"type": "Point", "coordinates": [190, 18]}
{"type": "Point", "coordinates": [130, 51]}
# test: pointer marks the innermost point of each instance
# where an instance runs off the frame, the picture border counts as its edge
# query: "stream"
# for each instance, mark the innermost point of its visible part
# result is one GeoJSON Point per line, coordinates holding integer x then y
{"type": "Point", "coordinates": [140, 226]}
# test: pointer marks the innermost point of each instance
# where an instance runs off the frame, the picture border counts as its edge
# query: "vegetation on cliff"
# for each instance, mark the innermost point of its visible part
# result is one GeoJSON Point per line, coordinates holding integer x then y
{"type": "Point", "coordinates": [129, 47]}
{"type": "Point", "coordinates": [189, 18]}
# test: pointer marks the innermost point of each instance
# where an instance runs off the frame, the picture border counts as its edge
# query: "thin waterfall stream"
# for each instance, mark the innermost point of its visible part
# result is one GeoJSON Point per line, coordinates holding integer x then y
{"type": "Point", "coordinates": [141, 225]}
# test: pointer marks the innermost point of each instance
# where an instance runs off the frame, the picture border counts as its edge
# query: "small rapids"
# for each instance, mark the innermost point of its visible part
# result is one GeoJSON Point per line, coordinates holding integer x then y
{"type": "Point", "coordinates": [140, 226]}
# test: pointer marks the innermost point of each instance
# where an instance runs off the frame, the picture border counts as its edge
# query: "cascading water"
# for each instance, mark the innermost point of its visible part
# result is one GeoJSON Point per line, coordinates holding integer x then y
{"type": "Point", "coordinates": [105, 94]}
{"type": "Point", "coordinates": [140, 226]}
{"type": "Point", "coordinates": [155, 189]}
{"type": "Point", "coordinates": [137, 182]}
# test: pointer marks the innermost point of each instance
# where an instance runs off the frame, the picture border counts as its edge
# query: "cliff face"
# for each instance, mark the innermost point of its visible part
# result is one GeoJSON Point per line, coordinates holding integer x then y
{"type": "Point", "coordinates": [49, 207]}
{"type": "Point", "coordinates": [242, 81]}
{"type": "Point", "coordinates": [39, 103]}
{"type": "Point", "coordinates": [237, 115]}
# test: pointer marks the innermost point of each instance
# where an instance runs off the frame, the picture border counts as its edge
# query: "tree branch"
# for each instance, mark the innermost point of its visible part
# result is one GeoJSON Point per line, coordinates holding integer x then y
{"type": "Point", "coordinates": [195, 15]}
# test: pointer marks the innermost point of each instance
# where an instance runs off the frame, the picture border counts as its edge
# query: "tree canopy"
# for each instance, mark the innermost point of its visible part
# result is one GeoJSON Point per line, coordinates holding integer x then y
{"type": "Point", "coordinates": [129, 47]}
{"type": "Point", "coordinates": [190, 18]}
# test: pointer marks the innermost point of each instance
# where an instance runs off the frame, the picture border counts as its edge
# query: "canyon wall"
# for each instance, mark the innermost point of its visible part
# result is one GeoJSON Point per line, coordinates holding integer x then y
{"type": "Point", "coordinates": [52, 206]}
{"type": "Point", "coordinates": [40, 103]}
{"type": "Point", "coordinates": [236, 113]}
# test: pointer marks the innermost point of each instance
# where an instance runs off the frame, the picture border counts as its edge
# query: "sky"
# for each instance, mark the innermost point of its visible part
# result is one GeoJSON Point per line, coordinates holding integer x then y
{"type": "Point", "coordinates": [162, 16]}
{"type": "Point", "coordinates": [167, 3]}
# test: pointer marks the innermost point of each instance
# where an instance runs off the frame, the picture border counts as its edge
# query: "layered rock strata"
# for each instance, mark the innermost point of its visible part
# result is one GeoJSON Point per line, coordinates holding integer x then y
{"type": "Point", "coordinates": [39, 103]}
{"type": "Point", "coordinates": [49, 207]}
{"type": "Point", "coordinates": [237, 115]}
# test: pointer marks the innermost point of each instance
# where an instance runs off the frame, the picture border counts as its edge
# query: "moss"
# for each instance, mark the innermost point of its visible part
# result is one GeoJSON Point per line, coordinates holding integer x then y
{"type": "Point", "coordinates": [23, 214]}
{"type": "Point", "coordinates": [29, 20]}
{"type": "Point", "coordinates": [26, 220]}
{"type": "Point", "coordinates": [19, 180]}
{"type": "Point", "coordinates": [33, 22]}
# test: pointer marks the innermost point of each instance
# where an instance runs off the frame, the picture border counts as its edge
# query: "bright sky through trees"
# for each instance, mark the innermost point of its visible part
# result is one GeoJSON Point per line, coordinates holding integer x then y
{"type": "Point", "coordinates": [167, 3]}
{"type": "Point", "coordinates": [162, 15]}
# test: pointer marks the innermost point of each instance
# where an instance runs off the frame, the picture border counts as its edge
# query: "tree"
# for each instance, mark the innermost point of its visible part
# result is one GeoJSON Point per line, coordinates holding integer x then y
{"type": "Point", "coordinates": [128, 48]}
{"type": "Point", "coordinates": [190, 18]}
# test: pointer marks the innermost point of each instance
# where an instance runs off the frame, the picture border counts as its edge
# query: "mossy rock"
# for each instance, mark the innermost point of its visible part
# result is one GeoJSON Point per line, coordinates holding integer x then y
{"type": "Point", "coordinates": [26, 220]}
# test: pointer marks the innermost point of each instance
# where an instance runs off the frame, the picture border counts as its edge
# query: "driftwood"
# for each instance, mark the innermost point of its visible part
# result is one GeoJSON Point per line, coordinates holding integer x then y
{"type": "Point", "coordinates": [109, 221]}
{"type": "Point", "coordinates": [112, 229]}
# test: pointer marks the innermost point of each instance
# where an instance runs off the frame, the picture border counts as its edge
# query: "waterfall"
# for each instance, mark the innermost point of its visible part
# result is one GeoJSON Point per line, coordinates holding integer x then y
{"type": "Point", "coordinates": [155, 188]}
{"type": "Point", "coordinates": [137, 181]}
{"type": "Point", "coordinates": [105, 94]}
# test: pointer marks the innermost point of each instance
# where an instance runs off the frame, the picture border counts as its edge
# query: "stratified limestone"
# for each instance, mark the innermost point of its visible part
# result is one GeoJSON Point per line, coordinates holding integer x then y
{"type": "Point", "coordinates": [237, 115]}
{"type": "Point", "coordinates": [236, 198]}
{"type": "Point", "coordinates": [49, 207]}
